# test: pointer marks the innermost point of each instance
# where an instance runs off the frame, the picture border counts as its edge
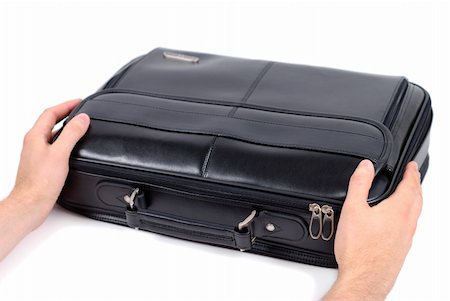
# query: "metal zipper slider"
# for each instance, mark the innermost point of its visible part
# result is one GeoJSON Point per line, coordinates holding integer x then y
{"type": "Point", "coordinates": [180, 57]}
{"type": "Point", "coordinates": [316, 214]}
{"type": "Point", "coordinates": [328, 218]}
{"type": "Point", "coordinates": [130, 198]}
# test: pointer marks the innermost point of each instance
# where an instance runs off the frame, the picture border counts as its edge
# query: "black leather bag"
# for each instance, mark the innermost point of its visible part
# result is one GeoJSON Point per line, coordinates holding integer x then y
{"type": "Point", "coordinates": [246, 154]}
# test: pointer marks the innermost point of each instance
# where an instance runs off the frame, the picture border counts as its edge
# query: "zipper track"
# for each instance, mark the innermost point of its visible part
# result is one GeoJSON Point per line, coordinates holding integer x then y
{"type": "Point", "coordinates": [395, 106]}
{"type": "Point", "coordinates": [414, 142]}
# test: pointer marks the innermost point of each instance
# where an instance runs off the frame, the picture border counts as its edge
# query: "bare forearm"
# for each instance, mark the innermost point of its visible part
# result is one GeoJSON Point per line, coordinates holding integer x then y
{"type": "Point", "coordinates": [17, 219]}
{"type": "Point", "coordinates": [356, 289]}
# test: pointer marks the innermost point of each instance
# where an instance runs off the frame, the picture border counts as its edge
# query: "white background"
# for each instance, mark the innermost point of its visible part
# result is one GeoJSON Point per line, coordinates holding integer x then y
{"type": "Point", "coordinates": [54, 51]}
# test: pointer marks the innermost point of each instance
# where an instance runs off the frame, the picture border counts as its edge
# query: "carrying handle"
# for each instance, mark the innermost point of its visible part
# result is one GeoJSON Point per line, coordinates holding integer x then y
{"type": "Point", "coordinates": [258, 224]}
{"type": "Point", "coordinates": [240, 237]}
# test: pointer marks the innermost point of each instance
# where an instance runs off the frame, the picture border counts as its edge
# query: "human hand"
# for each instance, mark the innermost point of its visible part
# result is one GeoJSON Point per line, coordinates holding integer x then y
{"type": "Point", "coordinates": [372, 242]}
{"type": "Point", "coordinates": [43, 166]}
{"type": "Point", "coordinates": [41, 175]}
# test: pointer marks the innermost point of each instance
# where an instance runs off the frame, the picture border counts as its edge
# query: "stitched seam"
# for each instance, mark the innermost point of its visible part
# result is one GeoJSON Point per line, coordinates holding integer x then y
{"type": "Point", "coordinates": [254, 141]}
{"type": "Point", "coordinates": [252, 87]}
{"type": "Point", "coordinates": [241, 118]}
{"type": "Point", "coordinates": [297, 256]}
{"type": "Point", "coordinates": [208, 157]}
{"type": "Point", "coordinates": [394, 93]}
{"type": "Point", "coordinates": [375, 124]}
{"type": "Point", "coordinates": [257, 81]}
{"type": "Point", "coordinates": [249, 106]}
{"type": "Point", "coordinates": [292, 253]}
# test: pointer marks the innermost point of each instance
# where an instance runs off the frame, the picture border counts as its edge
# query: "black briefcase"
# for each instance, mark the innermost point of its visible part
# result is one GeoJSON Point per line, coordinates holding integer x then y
{"type": "Point", "coordinates": [245, 154]}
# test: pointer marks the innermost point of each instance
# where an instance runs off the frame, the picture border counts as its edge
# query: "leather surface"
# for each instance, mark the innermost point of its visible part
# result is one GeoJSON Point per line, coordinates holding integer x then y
{"type": "Point", "coordinates": [272, 125]}
{"type": "Point", "coordinates": [209, 142]}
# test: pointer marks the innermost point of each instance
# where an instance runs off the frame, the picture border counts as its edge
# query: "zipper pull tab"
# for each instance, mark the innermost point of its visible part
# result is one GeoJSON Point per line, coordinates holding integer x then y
{"type": "Point", "coordinates": [328, 218]}
{"type": "Point", "coordinates": [316, 214]}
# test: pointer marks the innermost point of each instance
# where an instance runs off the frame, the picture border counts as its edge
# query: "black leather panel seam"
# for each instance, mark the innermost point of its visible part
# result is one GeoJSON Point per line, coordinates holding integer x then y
{"type": "Point", "coordinates": [132, 67]}
{"type": "Point", "coordinates": [240, 118]}
{"type": "Point", "coordinates": [252, 87]}
{"type": "Point", "coordinates": [252, 141]}
{"type": "Point", "coordinates": [208, 156]}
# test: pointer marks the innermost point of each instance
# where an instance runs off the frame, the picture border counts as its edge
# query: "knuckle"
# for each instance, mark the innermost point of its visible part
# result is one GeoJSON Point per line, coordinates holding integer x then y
{"type": "Point", "coordinates": [49, 112]}
{"type": "Point", "coordinates": [28, 137]}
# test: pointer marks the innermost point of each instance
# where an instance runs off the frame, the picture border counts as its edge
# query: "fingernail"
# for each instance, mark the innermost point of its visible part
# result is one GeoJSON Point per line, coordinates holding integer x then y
{"type": "Point", "coordinates": [83, 117]}
{"type": "Point", "coordinates": [366, 164]}
{"type": "Point", "coordinates": [416, 167]}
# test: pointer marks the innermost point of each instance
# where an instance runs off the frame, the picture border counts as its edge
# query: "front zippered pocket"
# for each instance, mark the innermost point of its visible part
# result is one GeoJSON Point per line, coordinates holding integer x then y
{"type": "Point", "coordinates": [154, 186]}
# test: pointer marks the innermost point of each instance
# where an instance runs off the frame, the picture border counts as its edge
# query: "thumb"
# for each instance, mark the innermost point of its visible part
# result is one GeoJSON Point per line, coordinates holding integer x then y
{"type": "Point", "coordinates": [360, 183]}
{"type": "Point", "coordinates": [72, 132]}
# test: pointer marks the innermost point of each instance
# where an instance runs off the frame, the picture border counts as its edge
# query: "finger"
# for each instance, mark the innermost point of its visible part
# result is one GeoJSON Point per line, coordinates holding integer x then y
{"type": "Point", "coordinates": [72, 132]}
{"type": "Point", "coordinates": [360, 183]}
{"type": "Point", "coordinates": [51, 116]}
{"type": "Point", "coordinates": [409, 190]}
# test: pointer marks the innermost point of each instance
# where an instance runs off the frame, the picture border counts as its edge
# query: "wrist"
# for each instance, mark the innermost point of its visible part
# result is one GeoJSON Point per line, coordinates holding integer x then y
{"type": "Point", "coordinates": [355, 286]}
{"type": "Point", "coordinates": [29, 212]}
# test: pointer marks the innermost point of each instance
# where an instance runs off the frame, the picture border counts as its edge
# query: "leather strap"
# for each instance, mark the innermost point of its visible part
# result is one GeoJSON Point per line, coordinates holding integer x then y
{"type": "Point", "coordinates": [192, 230]}
{"type": "Point", "coordinates": [266, 225]}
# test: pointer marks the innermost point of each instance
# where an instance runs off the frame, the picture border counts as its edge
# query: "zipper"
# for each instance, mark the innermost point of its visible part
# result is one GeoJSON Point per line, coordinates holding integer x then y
{"type": "Point", "coordinates": [396, 105]}
{"type": "Point", "coordinates": [324, 218]}
{"type": "Point", "coordinates": [413, 144]}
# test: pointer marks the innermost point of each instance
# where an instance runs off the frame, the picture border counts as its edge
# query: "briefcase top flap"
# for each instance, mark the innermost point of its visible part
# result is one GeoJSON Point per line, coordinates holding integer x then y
{"type": "Point", "coordinates": [276, 127]}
